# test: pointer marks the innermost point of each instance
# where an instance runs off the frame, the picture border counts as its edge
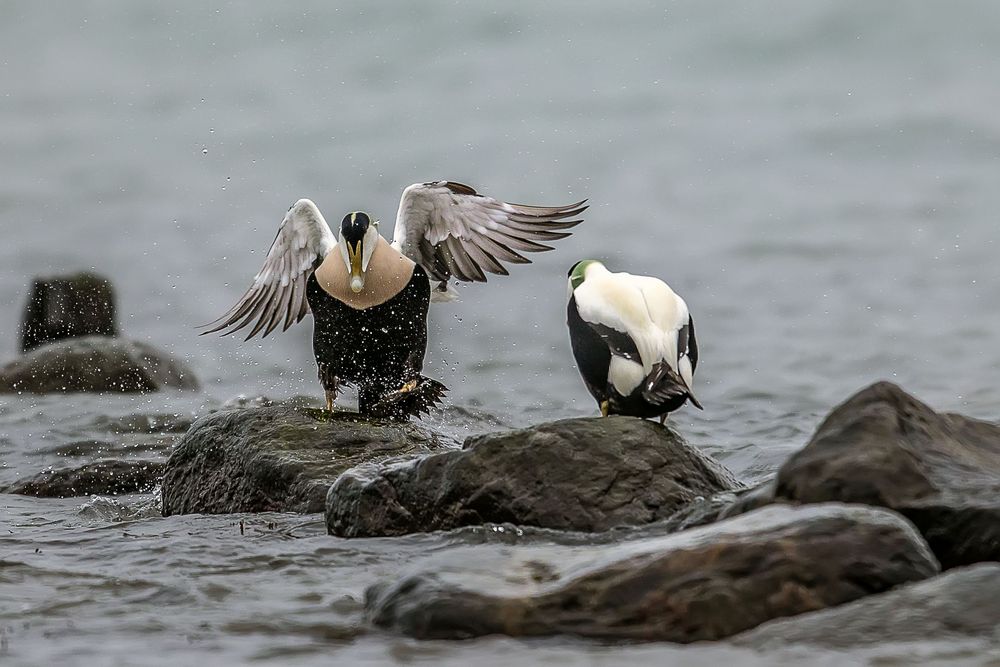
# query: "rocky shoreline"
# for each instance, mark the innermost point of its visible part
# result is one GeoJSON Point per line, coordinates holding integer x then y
{"type": "Point", "coordinates": [863, 519]}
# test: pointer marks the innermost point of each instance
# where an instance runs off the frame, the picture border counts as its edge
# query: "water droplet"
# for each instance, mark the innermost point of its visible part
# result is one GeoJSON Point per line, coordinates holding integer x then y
{"type": "Point", "coordinates": [204, 151]}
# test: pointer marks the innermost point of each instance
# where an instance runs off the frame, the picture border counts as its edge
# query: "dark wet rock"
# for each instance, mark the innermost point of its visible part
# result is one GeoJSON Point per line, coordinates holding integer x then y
{"type": "Point", "coordinates": [77, 448]}
{"type": "Point", "coordinates": [143, 423]}
{"type": "Point", "coordinates": [278, 458]}
{"type": "Point", "coordinates": [71, 306]}
{"type": "Point", "coordinates": [884, 447]}
{"type": "Point", "coordinates": [95, 364]}
{"type": "Point", "coordinates": [242, 402]}
{"type": "Point", "coordinates": [97, 478]}
{"type": "Point", "coordinates": [701, 584]}
{"type": "Point", "coordinates": [587, 474]}
{"type": "Point", "coordinates": [749, 500]}
{"type": "Point", "coordinates": [964, 602]}
{"type": "Point", "coordinates": [700, 512]}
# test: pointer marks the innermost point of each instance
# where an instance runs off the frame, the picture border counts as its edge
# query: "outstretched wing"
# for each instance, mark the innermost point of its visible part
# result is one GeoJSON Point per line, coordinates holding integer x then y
{"type": "Point", "coordinates": [451, 230]}
{"type": "Point", "coordinates": [278, 291]}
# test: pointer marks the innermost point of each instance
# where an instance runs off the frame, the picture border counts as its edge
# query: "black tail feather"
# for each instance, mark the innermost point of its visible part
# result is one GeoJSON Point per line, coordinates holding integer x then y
{"type": "Point", "coordinates": [663, 384]}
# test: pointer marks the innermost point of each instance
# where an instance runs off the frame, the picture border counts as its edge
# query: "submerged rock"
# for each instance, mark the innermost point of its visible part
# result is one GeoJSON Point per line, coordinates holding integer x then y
{"type": "Point", "coordinates": [70, 306]}
{"type": "Point", "coordinates": [964, 602]}
{"type": "Point", "coordinates": [95, 364]}
{"type": "Point", "coordinates": [278, 458]}
{"type": "Point", "coordinates": [587, 474]}
{"type": "Point", "coordinates": [104, 478]}
{"type": "Point", "coordinates": [884, 447]}
{"type": "Point", "coordinates": [700, 584]}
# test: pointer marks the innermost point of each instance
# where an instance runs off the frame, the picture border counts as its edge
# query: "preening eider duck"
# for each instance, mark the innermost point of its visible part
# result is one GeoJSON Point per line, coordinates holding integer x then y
{"type": "Point", "coordinates": [369, 298]}
{"type": "Point", "coordinates": [633, 340]}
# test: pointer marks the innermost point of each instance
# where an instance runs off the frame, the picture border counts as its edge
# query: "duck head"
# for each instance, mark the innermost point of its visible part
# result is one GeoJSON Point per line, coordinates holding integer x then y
{"type": "Point", "coordinates": [358, 238]}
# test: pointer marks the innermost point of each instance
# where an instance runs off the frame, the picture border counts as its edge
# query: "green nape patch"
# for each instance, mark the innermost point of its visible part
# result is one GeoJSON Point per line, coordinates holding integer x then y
{"type": "Point", "coordinates": [577, 273]}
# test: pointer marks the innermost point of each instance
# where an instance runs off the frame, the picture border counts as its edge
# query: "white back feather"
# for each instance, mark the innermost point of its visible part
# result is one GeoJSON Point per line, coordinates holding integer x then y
{"type": "Point", "coordinates": [642, 307]}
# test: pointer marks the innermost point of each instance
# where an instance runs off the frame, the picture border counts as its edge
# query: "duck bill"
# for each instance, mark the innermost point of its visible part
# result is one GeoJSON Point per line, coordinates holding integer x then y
{"type": "Point", "coordinates": [357, 275]}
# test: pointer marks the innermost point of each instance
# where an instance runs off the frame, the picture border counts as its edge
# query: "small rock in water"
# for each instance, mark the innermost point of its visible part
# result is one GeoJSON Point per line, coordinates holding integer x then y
{"type": "Point", "coordinates": [69, 306]}
{"type": "Point", "coordinates": [95, 364]}
{"type": "Point", "coordinates": [97, 478]}
{"type": "Point", "coordinates": [69, 343]}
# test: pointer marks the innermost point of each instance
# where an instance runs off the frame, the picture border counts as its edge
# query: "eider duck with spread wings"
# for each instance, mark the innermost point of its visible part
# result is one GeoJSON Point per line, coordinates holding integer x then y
{"type": "Point", "coordinates": [369, 298]}
{"type": "Point", "coordinates": [633, 340]}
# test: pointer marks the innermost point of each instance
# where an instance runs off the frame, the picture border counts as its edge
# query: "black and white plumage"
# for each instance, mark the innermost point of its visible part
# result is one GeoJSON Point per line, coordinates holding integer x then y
{"type": "Point", "coordinates": [369, 298]}
{"type": "Point", "coordinates": [633, 339]}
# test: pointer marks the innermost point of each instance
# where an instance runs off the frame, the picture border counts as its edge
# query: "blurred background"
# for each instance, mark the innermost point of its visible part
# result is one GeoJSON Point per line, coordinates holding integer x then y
{"type": "Point", "coordinates": [818, 180]}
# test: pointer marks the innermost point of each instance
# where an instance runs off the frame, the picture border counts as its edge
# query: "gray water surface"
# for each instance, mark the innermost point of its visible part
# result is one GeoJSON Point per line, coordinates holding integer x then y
{"type": "Point", "coordinates": [818, 180]}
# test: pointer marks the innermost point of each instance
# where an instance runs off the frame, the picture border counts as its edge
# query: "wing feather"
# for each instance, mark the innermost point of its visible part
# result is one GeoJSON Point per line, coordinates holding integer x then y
{"type": "Point", "coordinates": [485, 259]}
{"type": "Point", "coordinates": [468, 269]}
{"type": "Point", "coordinates": [501, 251]}
{"type": "Point", "coordinates": [453, 231]}
{"type": "Point", "coordinates": [278, 291]}
{"type": "Point", "coordinates": [521, 242]}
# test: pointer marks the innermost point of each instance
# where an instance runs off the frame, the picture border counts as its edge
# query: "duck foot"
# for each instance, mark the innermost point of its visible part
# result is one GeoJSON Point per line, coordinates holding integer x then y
{"type": "Point", "coordinates": [413, 398]}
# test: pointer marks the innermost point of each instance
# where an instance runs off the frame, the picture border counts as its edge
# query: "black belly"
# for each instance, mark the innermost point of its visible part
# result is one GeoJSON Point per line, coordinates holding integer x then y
{"type": "Point", "coordinates": [377, 349]}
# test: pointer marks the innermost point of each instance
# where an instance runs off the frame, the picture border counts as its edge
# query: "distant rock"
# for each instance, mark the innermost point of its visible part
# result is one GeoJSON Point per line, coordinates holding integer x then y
{"type": "Point", "coordinates": [587, 474]}
{"type": "Point", "coordinates": [278, 458]}
{"type": "Point", "coordinates": [104, 478]}
{"type": "Point", "coordinates": [69, 306]}
{"type": "Point", "coordinates": [964, 602]}
{"type": "Point", "coordinates": [95, 364]}
{"type": "Point", "coordinates": [705, 583]}
{"type": "Point", "coordinates": [884, 447]}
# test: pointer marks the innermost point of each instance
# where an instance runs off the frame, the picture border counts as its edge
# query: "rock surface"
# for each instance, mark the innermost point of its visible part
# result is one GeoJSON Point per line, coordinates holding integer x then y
{"type": "Point", "coordinates": [701, 584]}
{"type": "Point", "coordinates": [586, 474]}
{"type": "Point", "coordinates": [277, 458]}
{"type": "Point", "coordinates": [95, 364]}
{"type": "Point", "coordinates": [884, 447]}
{"type": "Point", "coordinates": [69, 306]}
{"type": "Point", "coordinates": [963, 602]}
{"type": "Point", "coordinates": [104, 478]}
